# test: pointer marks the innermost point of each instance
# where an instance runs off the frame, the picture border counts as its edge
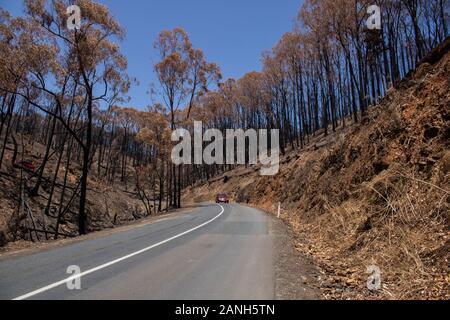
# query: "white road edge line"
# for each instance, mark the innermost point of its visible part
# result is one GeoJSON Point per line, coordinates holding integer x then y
{"type": "Point", "coordinates": [57, 284]}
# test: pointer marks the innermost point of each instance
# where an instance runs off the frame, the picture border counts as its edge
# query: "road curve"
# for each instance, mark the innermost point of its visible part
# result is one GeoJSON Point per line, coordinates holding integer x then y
{"type": "Point", "coordinates": [212, 252]}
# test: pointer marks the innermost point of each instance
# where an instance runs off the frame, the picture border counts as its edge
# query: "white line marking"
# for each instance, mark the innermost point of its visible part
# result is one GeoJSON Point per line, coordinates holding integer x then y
{"type": "Point", "coordinates": [59, 283]}
{"type": "Point", "coordinates": [279, 209]}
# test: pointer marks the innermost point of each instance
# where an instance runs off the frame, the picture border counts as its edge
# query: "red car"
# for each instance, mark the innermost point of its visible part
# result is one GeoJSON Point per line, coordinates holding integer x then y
{"type": "Point", "coordinates": [27, 165]}
{"type": "Point", "coordinates": [222, 198]}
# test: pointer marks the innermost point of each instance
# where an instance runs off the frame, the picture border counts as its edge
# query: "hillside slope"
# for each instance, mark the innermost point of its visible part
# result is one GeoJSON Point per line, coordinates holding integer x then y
{"type": "Point", "coordinates": [108, 204]}
{"type": "Point", "coordinates": [374, 193]}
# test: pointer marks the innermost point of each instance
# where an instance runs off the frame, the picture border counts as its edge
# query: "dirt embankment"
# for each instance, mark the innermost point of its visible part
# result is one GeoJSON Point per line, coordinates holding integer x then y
{"type": "Point", "coordinates": [374, 193]}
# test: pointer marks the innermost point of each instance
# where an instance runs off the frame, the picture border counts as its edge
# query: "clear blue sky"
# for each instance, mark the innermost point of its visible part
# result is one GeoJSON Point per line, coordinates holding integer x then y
{"type": "Point", "coordinates": [232, 33]}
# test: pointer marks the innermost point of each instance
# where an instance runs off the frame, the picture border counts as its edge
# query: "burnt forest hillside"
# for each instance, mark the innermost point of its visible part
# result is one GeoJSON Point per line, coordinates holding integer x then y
{"type": "Point", "coordinates": [375, 193]}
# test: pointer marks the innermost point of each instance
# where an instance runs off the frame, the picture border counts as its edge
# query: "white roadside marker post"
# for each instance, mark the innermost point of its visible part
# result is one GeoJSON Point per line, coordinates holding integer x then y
{"type": "Point", "coordinates": [279, 209]}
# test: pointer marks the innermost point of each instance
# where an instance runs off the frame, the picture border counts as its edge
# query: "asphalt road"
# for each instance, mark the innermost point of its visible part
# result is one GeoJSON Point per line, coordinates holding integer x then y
{"type": "Point", "coordinates": [212, 252]}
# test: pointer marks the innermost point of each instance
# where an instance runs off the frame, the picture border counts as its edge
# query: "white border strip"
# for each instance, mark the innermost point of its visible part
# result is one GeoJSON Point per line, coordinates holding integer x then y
{"type": "Point", "coordinates": [57, 284]}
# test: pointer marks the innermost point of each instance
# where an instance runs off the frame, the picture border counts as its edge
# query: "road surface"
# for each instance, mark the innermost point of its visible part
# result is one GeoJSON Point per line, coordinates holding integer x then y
{"type": "Point", "coordinates": [211, 252]}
